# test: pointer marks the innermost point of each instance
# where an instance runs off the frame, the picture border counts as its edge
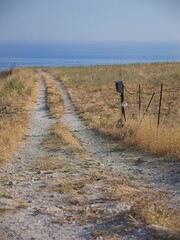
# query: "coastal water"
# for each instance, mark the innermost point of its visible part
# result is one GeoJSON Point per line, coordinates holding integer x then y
{"type": "Point", "coordinates": [86, 54]}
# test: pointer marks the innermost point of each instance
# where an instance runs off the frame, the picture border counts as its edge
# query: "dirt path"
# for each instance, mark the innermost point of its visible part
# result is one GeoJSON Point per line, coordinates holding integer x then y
{"type": "Point", "coordinates": [69, 200]}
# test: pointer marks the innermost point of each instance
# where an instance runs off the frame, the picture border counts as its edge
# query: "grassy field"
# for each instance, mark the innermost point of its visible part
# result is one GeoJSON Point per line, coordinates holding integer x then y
{"type": "Point", "coordinates": [93, 92]}
{"type": "Point", "coordinates": [18, 92]}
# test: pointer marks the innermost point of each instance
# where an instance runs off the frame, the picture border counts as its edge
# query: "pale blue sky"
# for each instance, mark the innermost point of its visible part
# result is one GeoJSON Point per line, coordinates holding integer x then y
{"type": "Point", "coordinates": [89, 20]}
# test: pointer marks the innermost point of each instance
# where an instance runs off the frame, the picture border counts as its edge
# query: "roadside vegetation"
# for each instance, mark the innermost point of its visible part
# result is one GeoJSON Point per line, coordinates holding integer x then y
{"type": "Point", "coordinates": [93, 92]}
{"type": "Point", "coordinates": [18, 92]}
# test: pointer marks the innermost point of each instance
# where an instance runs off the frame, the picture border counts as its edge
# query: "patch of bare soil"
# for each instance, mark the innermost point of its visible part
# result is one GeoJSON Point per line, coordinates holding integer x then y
{"type": "Point", "coordinates": [53, 192]}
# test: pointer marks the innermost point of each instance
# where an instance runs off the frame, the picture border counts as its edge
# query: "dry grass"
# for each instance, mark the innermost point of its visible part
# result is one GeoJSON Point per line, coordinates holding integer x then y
{"type": "Point", "coordinates": [60, 137]}
{"type": "Point", "coordinates": [93, 92]}
{"type": "Point", "coordinates": [5, 210]}
{"type": "Point", "coordinates": [19, 204]}
{"type": "Point", "coordinates": [65, 136]}
{"type": "Point", "coordinates": [53, 97]}
{"type": "Point", "coordinates": [71, 185]}
{"type": "Point", "coordinates": [18, 92]}
{"type": "Point", "coordinates": [51, 163]}
{"type": "Point", "coordinates": [165, 141]}
{"type": "Point", "coordinates": [149, 205]}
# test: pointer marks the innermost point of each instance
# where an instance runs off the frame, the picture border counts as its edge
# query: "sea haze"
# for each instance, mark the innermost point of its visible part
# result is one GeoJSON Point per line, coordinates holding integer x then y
{"type": "Point", "coordinates": [70, 54]}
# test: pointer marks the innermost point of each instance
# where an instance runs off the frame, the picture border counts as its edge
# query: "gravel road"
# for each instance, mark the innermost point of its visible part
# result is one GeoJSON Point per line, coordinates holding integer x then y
{"type": "Point", "coordinates": [31, 208]}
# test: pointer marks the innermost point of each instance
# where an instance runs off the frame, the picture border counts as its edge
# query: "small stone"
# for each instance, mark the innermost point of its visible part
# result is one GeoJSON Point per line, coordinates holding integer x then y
{"type": "Point", "coordinates": [139, 161]}
{"type": "Point", "coordinates": [35, 179]}
{"type": "Point", "coordinates": [42, 186]}
{"type": "Point", "coordinates": [27, 222]}
{"type": "Point", "coordinates": [10, 184]}
{"type": "Point", "coordinates": [53, 209]}
{"type": "Point", "coordinates": [48, 172]}
{"type": "Point", "coordinates": [36, 212]}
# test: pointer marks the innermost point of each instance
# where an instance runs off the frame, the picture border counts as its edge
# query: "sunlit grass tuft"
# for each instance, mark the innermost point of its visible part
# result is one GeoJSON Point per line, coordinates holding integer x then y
{"type": "Point", "coordinates": [60, 137]}
{"type": "Point", "coordinates": [163, 140]}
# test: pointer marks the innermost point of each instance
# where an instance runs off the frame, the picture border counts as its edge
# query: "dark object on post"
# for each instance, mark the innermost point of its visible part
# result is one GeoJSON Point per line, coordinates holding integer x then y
{"type": "Point", "coordinates": [119, 86]}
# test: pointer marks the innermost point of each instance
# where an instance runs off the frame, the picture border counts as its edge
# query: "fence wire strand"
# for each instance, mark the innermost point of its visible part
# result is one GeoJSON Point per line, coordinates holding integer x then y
{"type": "Point", "coordinates": [132, 92]}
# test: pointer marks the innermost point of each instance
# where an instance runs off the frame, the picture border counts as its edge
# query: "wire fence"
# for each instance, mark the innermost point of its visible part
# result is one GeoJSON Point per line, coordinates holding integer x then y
{"type": "Point", "coordinates": [163, 103]}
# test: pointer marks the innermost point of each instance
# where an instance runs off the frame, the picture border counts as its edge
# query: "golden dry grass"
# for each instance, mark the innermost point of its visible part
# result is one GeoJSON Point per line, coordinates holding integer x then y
{"type": "Point", "coordinates": [51, 163]}
{"type": "Point", "coordinates": [53, 97]}
{"type": "Point", "coordinates": [165, 141]}
{"type": "Point", "coordinates": [18, 92]}
{"type": "Point", "coordinates": [93, 92]}
{"type": "Point", "coordinates": [60, 137]}
{"type": "Point", "coordinates": [66, 137]}
{"type": "Point", "coordinates": [152, 206]}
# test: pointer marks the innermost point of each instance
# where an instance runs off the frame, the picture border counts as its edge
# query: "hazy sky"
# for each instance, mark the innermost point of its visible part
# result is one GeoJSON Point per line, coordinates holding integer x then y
{"type": "Point", "coordinates": [89, 20]}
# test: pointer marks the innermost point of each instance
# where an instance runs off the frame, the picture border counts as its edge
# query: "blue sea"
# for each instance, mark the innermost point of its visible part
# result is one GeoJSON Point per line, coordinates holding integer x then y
{"type": "Point", "coordinates": [85, 54]}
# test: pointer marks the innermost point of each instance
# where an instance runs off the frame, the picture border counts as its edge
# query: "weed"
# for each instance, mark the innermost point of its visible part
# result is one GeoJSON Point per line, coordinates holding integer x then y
{"type": "Point", "coordinates": [5, 210]}
{"type": "Point", "coordinates": [20, 204]}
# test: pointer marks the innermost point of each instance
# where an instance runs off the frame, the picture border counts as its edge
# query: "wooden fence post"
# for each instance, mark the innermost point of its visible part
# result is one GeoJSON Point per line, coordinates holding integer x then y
{"type": "Point", "coordinates": [159, 111]}
{"type": "Point", "coordinates": [147, 108]}
{"type": "Point", "coordinates": [139, 100]}
{"type": "Point", "coordinates": [123, 114]}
